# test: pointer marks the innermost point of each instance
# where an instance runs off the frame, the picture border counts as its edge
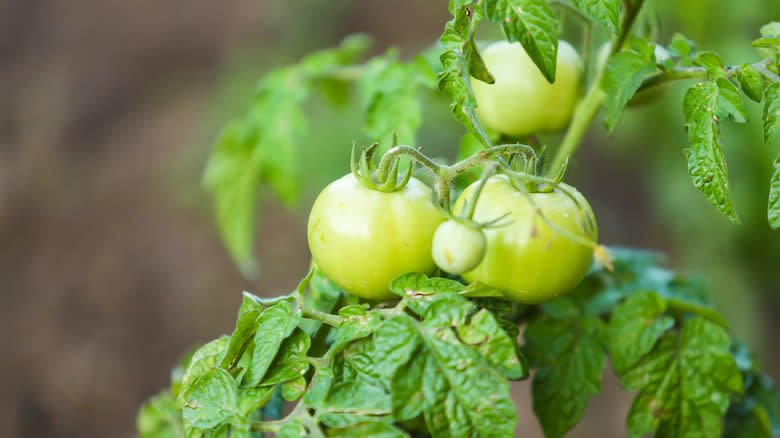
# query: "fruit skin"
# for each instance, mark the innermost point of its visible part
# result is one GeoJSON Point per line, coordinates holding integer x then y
{"type": "Point", "coordinates": [526, 260]}
{"type": "Point", "coordinates": [458, 247]}
{"type": "Point", "coordinates": [362, 238]}
{"type": "Point", "coordinates": [521, 101]}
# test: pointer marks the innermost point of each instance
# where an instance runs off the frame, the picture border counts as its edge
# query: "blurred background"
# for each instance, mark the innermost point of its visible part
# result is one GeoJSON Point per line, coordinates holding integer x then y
{"type": "Point", "coordinates": [111, 266]}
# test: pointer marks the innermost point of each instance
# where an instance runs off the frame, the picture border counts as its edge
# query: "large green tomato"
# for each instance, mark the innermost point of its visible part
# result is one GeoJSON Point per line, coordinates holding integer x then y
{"type": "Point", "coordinates": [527, 260]}
{"type": "Point", "coordinates": [521, 101]}
{"type": "Point", "coordinates": [362, 238]}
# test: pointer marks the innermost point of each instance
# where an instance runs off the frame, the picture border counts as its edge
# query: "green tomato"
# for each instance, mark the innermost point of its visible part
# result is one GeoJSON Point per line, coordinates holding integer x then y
{"type": "Point", "coordinates": [527, 260]}
{"type": "Point", "coordinates": [362, 238]}
{"type": "Point", "coordinates": [521, 101]}
{"type": "Point", "coordinates": [458, 247]}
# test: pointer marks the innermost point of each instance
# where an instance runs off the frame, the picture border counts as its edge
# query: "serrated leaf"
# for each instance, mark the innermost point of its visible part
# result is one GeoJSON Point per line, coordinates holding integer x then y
{"type": "Point", "coordinates": [606, 12]}
{"type": "Point", "coordinates": [684, 383]}
{"type": "Point", "coordinates": [768, 43]}
{"type": "Point", "coordinates": [751, 82]}
{"type": "Point", "coordinates": [711, 62]}
{"type": "Point", "coordinates": [395, 342]}
{"type": "Point", "coordinates": [159, 417]}
{"type": "Point", "coordinates": [706, 163]}
{"type": "Point", "coordinates": [773, 209]}
{"type": "Point", "coordinates": [771, 114]}
{"type": "Point", "coordinates": [262, 148]}
{"type": "Point", "coordinates": [360, 397]}
{"type": "Point", "coordinates": [635, 327]}
{"type": "Point", "coordinates": [252, 399]}
{"type": "Point", "coordinates": [771, 29]}
{"type": "Point", "coordinates": [211, 400]}
{"type": "Point", "coordinates": [680, 46]}
{"type": "Point", "coordinates": [462, 395]}
{"type": "Point", "coordinates": [730, 101]}
{"type": "Point", "coordinates": [533, 24]}
{"type": "Point", "coordinates": [204, 359]}
{"type": "Point", "coordinates": [293, 389]}
{"type": "Point", "coordinates": [624, 75]}
{"type": "Point", "coordinates": [390, 96]}
{"type": "Point", "coordinates": [407, 389]}
{"type": "Point", "coordinates": [289, 363]}
{"type": "Point", "coordinates": [570, 361]}
{"type": "Point", "coordinates": [241, 337]}
{"type": "Point", "coordinates": [274, 325]}
{"type": "Point", "coordinates": [357, 323]}
{"type": "Point", "coordinates": [457, 43]}
{"type": "Point", "coordinates": [372, 429]}
{"type": "Point", "coordinates": [420, 289]}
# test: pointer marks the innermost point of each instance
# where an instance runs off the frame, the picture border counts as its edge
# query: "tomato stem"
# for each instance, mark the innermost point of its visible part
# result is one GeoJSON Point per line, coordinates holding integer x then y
{"type": "Point", "coordinates": [325, 318]}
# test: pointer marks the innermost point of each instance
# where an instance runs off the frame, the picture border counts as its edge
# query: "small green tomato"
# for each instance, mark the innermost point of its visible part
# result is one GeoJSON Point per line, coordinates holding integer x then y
{"type": "Point", "coordinates": [458, 247]}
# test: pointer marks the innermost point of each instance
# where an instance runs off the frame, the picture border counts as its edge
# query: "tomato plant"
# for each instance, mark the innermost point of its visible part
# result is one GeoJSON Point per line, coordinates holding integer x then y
{"type": "Point", "coordinates": [521, 101]}
{"type": "Point", "coordinates": [517, 247]}
{"type": "Point", "coordinates": [531, 260]}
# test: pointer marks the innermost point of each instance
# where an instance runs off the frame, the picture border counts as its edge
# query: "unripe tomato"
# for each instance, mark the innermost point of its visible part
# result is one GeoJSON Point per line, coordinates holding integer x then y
{"type": "Point", "coordinates": [458, 247]}
{"type": "Point", "coordinates": [527, 260]}
{"type": "Point", "coordinates": [521, 101]}
{"type": "Point", "coordinates": [362, 238]}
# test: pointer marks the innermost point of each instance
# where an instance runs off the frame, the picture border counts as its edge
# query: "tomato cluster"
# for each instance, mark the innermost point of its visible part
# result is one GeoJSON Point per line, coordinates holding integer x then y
{"type": "Point", "coordinates": [362, 237]}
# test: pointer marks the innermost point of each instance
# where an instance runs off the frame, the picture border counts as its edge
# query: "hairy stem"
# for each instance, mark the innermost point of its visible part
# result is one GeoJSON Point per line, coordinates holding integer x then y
{"type": "Point", "coordinates": [325, 318]}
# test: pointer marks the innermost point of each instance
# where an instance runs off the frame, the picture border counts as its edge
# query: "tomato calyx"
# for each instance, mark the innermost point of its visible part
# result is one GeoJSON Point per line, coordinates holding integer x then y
{"type": "Point", "coordinates": [386, 177]}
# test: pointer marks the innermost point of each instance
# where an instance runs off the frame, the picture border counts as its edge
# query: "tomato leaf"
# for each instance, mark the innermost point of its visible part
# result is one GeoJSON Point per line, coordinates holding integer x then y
{"type": "Point", "coordinates": [274, 325]}
{"type": "Point", "coordinates": [751, 82]}
{"type": "Point", "coordinates": [570, 361]}
{"type": "Point", "coordinates": [773, 211]}
{"type": "Point", "coordinates": [357, 323]}
{"type": "Point", "coordinates": [624, 75]}
{"type": "Point", "coordinates": [730, 101]}
{"type": "Point", "coordinates": [262, 147]}
{"type": "Point", "coordinates": [204, 359]}
{"type": "Point", "coordinates": [370, 428]}
{"type": "Point", "coordinates": [245, 331]}
{"type": "Point", "coordinates": [771, 114]}
{"type": "Point", "coordinates": [421, 360]}
{"type": "Point", "coordinates": [757, 413]}
{"type": "Point", "coordinates": [635, 327]}
{"type": "Point", "coordinates": [684, 383]}
{"type": "Point", "coordinates": [252, 399]}
{"type": "Point", "coordinates": [159, 417]}
{"type": "Point", "coordinates": [458, 49]}
{"type": "Point", "coordinates": [533, 24]}
{"type": "Point", "coordinates": [289, 362]}
{"type": "Point", "coordinates": [706, 163]}
{"type": "Point", "coordinates": [711, 62]}
{"type": "Point", "coordinates": [211, 401]}
{"type": "Point", "coordinates": [389, 92]}
{"type": "Point", "coordinates": [358, 396]}
{"type": "Point", "coordinates": [606, 12]}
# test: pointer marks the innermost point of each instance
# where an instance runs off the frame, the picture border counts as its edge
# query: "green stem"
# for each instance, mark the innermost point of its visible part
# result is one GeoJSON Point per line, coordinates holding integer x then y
{"type": "Point", "coordinates": [659, 78]}
{"type": "Point", "coordinates": [583, 114]}
{"type": "Point", "coordinates": [626, 23]}
{"type": "Point", "coordinates": [325, 318]}
{"type": "Point", "coordinates": [472, 204]}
